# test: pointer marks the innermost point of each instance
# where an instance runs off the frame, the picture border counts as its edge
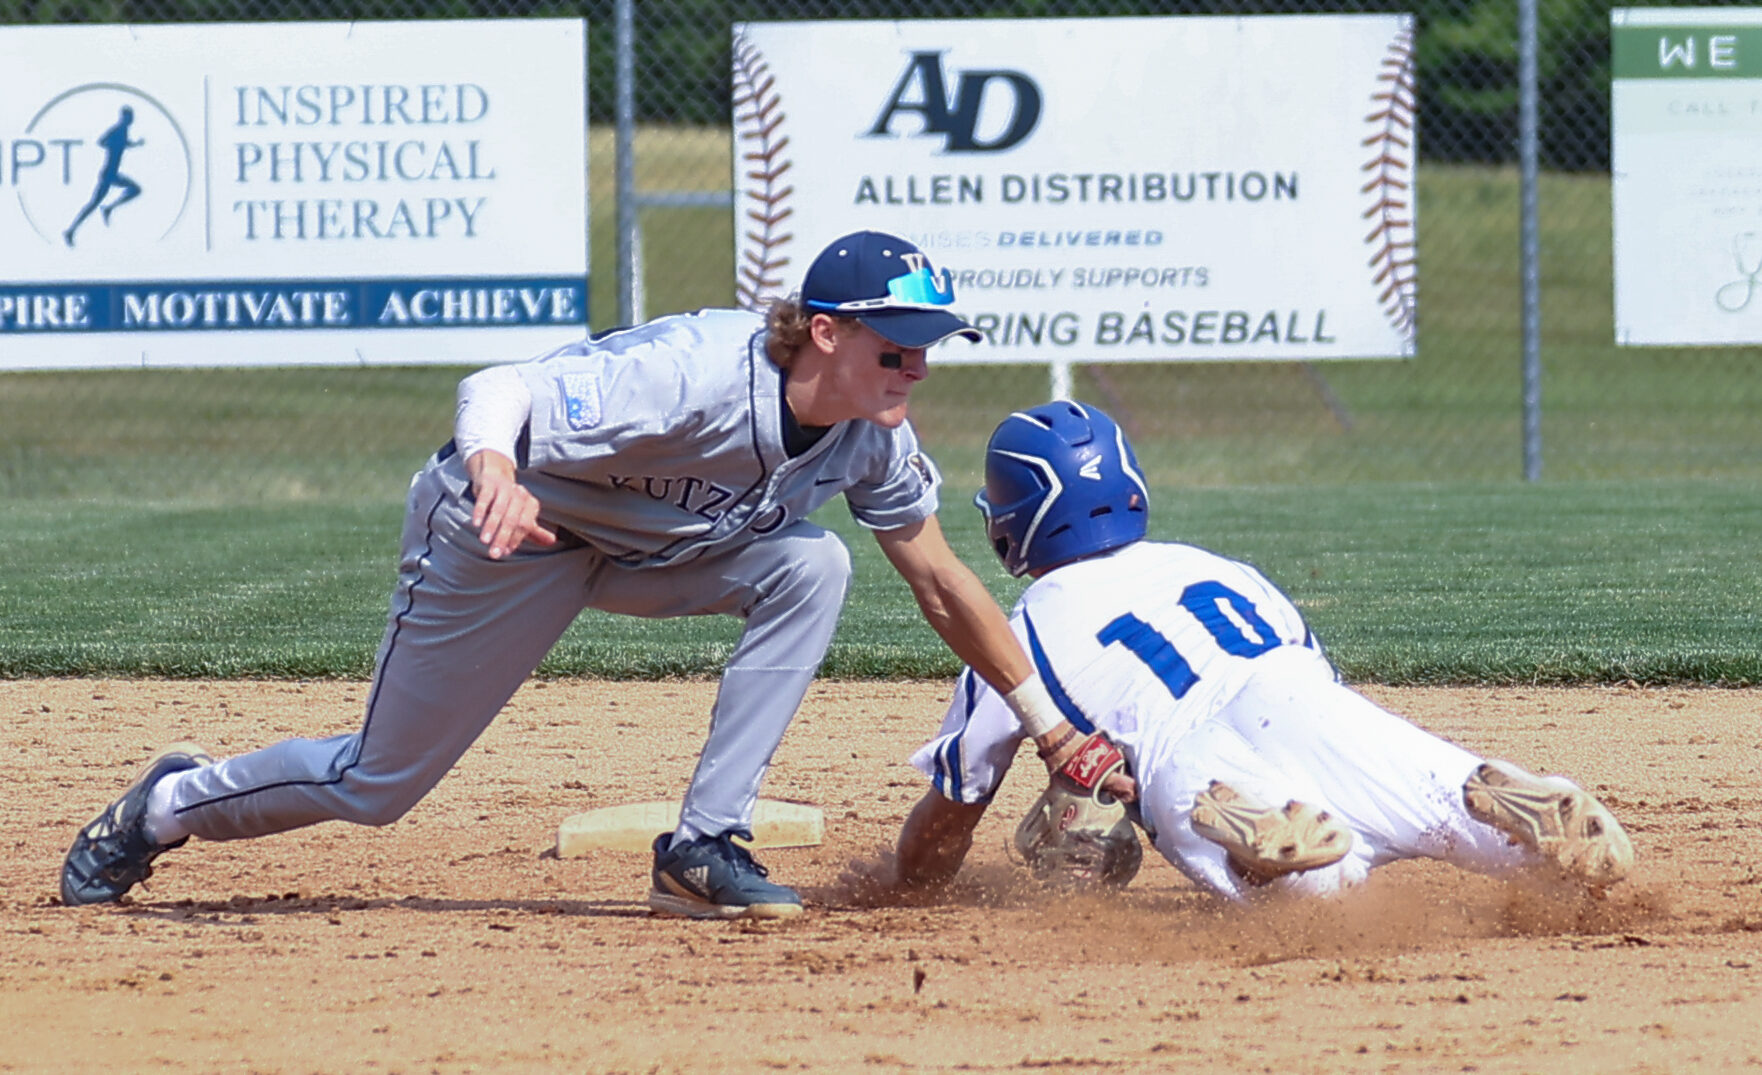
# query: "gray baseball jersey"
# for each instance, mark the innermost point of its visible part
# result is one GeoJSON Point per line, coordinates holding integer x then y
{"type": "Point", "coordinates": [659, 454]}
{"type": "Point", "coordinates": [662, 442]}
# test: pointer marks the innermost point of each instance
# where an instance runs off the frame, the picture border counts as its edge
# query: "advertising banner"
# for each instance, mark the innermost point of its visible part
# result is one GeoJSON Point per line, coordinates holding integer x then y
{"type": "Point", "coordinates": [297, 193]}
{"type": "Point", "coordinates": [1686, 117]}
{"type": "Point", "coordinates": [1172, 188]}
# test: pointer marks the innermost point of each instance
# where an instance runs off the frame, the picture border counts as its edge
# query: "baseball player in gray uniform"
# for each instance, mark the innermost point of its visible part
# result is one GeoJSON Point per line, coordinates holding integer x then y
{"type": "Point", "coordinates": [1258, 771]}
{"type": "Point", "coordinates": [657, 471]}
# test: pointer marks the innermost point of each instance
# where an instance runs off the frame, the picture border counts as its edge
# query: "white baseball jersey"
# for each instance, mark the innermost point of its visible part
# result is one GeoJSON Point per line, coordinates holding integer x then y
{"type": "Point", "coordinates": [1200, 669]}
{"type": "Point", "coordinates": [1141, 643]}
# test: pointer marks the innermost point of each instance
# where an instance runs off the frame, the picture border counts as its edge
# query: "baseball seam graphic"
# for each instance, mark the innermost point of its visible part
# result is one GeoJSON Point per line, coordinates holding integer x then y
{"type": "Point", "coordinates": [1390, 186]}
{"type": "Point", "coordinates": [758, 127]}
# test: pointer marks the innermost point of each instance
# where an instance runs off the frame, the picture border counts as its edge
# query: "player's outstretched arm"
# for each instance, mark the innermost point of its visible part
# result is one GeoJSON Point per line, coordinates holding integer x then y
{"type": "Point", "coordinates": [962, 611]}
{"type": "Point", "coordinates": [956, 604]}
{"type": "Point", "coordinates": [935, 840]}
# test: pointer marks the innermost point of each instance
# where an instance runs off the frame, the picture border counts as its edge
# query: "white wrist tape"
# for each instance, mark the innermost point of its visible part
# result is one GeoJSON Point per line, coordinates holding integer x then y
{"type": "Point", "coordinates": [1033, 707]}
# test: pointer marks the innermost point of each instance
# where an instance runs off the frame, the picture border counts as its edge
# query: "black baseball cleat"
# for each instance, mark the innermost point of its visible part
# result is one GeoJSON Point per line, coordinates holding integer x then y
{"type": "Point", "coordinates": [112, 853]}
{"type": "Point", "coordinates": [714, 877]}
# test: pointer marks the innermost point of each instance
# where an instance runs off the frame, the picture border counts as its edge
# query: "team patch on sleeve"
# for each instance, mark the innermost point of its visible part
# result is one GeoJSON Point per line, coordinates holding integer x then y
{"type": "Point", "coordinates": [926, 470]}
{"type": "Point", "coordinates": [581, 394]}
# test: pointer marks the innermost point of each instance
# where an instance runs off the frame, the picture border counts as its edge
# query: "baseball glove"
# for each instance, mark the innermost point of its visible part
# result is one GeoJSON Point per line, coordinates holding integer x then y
{"type": "Point", "coordinates": [1075, 835]}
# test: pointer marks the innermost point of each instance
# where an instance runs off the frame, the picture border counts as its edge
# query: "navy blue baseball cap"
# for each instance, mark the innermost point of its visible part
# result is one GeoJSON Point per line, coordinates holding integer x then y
{"type": "Point", "coordinates": [889, 285]}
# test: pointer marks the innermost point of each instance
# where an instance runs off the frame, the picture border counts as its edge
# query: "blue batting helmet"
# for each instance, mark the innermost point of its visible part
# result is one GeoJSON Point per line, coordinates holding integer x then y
{"type": "Point", "coordinates": [1060, 483]}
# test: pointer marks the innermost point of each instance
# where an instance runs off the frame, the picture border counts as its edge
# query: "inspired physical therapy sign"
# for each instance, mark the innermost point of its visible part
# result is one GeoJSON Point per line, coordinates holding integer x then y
{"type": "Point", "coordinates": [299, 193]}
{"type": "Point", "coordinates": [1199, 188]}
{"type": "Point", "coordinates": [1686, 102]}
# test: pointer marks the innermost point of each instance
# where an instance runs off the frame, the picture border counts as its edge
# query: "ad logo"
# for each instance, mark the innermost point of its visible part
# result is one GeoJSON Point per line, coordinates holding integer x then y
{"type": "Point", "coordinates": [101, 167]}
{"type": "Point", "coordinates": [923, 90]}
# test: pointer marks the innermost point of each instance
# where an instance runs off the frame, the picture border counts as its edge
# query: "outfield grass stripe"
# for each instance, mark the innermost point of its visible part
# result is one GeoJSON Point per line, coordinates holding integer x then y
{"type": "Point", "coordinates": [1592, 582]}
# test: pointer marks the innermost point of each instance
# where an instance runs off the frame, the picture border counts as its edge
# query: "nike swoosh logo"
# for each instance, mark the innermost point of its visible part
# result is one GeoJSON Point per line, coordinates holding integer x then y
{"type": "Point", "coordinates": [826, 481]}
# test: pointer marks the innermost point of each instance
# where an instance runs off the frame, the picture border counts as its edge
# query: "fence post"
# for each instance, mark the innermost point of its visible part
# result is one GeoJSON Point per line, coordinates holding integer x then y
{"type": "Point", "coordinates": [624, 151]}
{"type": "Point", "coordinates": [1529, 240]}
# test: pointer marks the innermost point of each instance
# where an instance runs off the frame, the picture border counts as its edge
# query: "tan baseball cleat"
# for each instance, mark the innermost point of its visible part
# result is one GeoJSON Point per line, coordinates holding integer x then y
{"type": "Point", "coordinates": [1266, 842]}
{"type": "Point", "coordinates": [1553, 817]}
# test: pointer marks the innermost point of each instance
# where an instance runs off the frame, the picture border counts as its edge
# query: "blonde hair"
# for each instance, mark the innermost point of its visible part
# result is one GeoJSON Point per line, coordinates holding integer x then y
{"type": "Point", "coordinates": [788, 326]}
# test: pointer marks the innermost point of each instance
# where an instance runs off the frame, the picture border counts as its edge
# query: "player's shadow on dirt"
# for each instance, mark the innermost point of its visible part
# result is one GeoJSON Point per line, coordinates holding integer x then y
{"type": "Point", "coordinates": [229, 911]}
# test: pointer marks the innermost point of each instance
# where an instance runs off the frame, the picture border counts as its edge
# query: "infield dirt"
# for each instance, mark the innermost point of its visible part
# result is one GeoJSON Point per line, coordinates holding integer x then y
{"type": "Point", "coordinates": [455, 940]}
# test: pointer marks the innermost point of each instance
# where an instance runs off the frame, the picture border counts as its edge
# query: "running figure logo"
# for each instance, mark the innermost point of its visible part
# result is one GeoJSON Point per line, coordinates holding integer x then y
{"type": "Point", "coordinates": [115, 142]}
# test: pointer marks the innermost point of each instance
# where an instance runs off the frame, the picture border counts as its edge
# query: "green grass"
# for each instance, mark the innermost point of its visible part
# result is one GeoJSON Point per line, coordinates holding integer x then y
{"type": "Point", "coordinates": [1652, 582]}
{"type": "Point", "coordinates": [243, 522]}
{"type": "Point", "coordinates": [1406, 583]}
{"type": "Point", "coordinates": [220, 437]}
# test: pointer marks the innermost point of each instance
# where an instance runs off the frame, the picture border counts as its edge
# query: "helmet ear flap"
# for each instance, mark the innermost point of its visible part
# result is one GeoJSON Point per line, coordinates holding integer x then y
{"type": "Point", "coordinates": [1012, 503]}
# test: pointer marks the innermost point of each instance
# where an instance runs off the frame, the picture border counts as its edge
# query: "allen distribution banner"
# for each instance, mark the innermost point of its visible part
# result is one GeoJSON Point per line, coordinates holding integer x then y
{"type": "Point", "coordinates": [1175, 188]}
{"type": "Point", "coordinates": [1686, 104]}
{"type": "Point", "coordinates": [297, 193]}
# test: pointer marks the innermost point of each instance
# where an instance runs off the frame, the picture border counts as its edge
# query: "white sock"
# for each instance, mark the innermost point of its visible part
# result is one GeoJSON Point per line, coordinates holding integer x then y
{"type": "Point", "coordinates": [163, 826]}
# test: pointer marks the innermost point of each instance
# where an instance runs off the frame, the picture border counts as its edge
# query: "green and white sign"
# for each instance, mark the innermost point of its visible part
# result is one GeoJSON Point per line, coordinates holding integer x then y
{"type": "Point", "coordinates": [292, 193]}
{"type": "Point", "coordinates": [1686, 165]}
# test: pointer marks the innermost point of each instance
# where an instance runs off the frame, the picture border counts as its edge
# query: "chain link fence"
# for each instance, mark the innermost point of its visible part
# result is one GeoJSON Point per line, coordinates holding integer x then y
{"type": "Point", "coordinates": [1453, 413]}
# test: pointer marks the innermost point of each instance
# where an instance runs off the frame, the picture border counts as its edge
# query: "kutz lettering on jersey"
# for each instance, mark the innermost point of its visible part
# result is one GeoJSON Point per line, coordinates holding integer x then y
{"type": "Point", "coordinates": [699, 496]}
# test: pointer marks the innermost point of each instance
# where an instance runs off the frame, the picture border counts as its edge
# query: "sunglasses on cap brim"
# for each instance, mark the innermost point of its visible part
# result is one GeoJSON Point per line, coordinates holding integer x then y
{"type": "Point", "coordinates": [921, 289]}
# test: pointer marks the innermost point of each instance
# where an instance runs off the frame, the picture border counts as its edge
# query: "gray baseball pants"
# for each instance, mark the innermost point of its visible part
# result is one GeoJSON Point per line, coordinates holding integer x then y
{"type": "Point", "coordinates": [465, 632]}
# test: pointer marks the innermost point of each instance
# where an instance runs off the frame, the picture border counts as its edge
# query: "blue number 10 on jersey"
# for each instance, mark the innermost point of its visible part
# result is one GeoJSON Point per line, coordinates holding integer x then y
{"type": "Point", "coordinates": [1205, 600]}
